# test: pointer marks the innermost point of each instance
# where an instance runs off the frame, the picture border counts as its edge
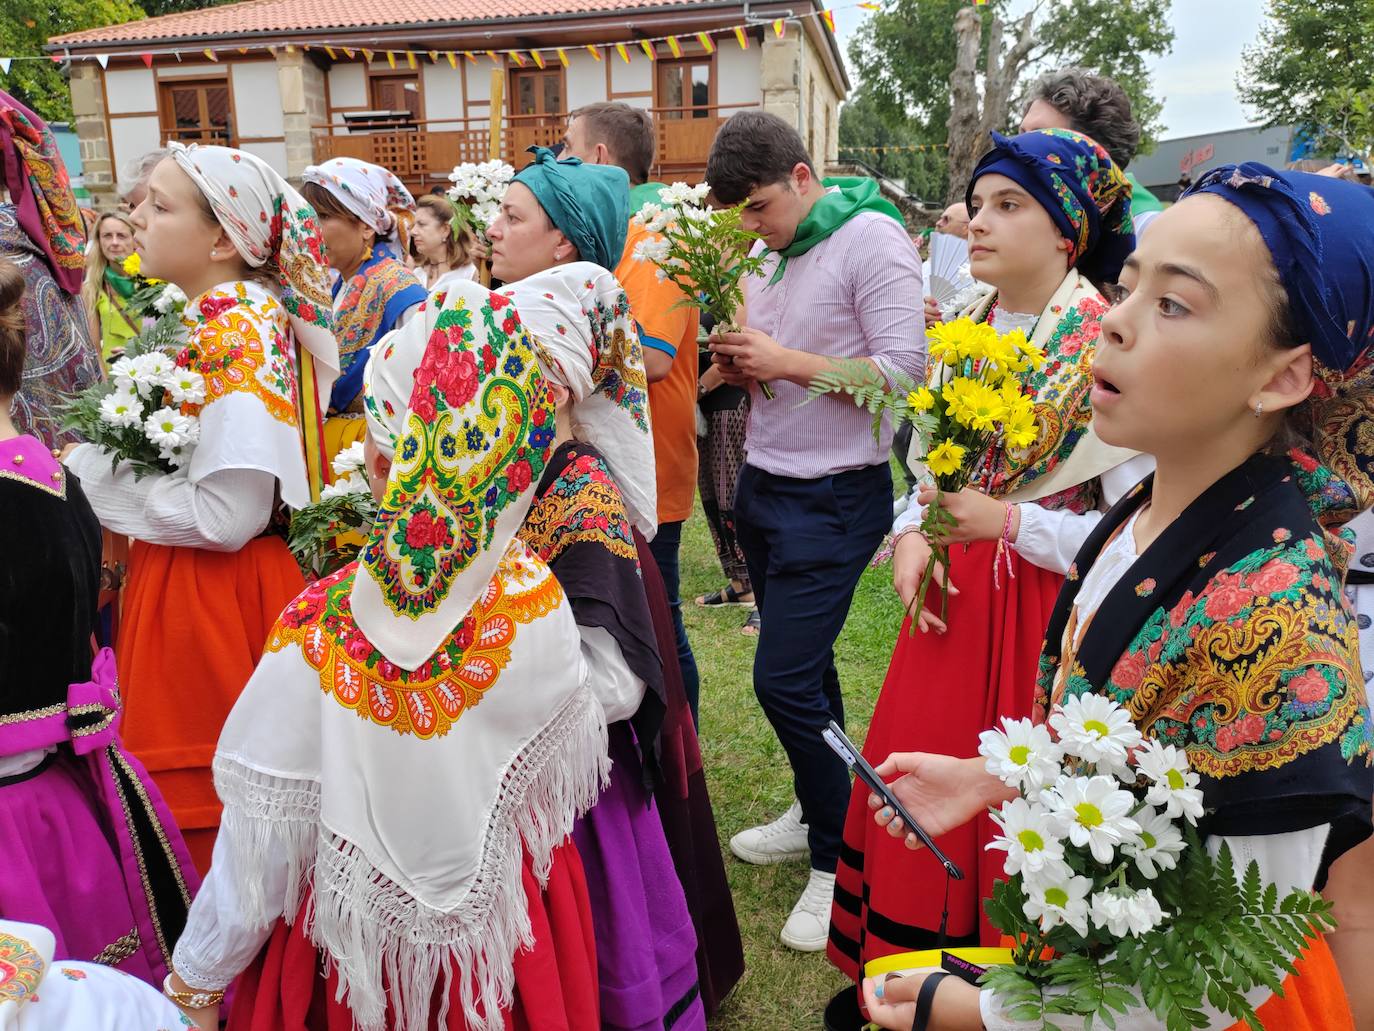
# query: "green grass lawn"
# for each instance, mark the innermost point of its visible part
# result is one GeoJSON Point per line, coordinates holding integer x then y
{"type": "Point", "coordinates": [751, 782]}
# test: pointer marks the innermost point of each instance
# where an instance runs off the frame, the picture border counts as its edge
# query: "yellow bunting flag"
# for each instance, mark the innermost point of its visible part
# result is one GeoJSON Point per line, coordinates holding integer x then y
{"type": "Point", "coordinates": [210, 54]}
{"type": "Point", "coordinates": [594, 51]}
{"type": "Point", "coordinates": [562, 56]}
{"type": "Point", "coordinates": [538, 58]}
{"type": "Point", "coordinates": [272, 51]}
{"type": "Point", "coordinates": [471, 55]}
{"type": "Point", "coordinates": [779, 28]}
{"type": "Point", "coordinates": [674, 46]}
{"type": "Point", "coordinates": [452, 59]}
{"type": "Point", "coordinates": [829, 18]}
{"type": "Point", "coordinates": [494, 58]}
{"type": "Point", "coordinates": [434, 56]}
{"type": "Point", "coordinates": [347, 52]}
{"type": "Point", "coordinates": [518, 57]}
{"type": "Point", "coordinates": [708, 44]}
{"type": "Point", "coordinates": [391, 58]}
{"type": "Point", "coordinates": [871, 7]}
{"type": "Point", "coordinates": [743, 39]}
{"type": "Point", "coordinates": [290, 49]}
{"type": "Point", "coordinates": [367, 55]}
{"type": "Point", "coordinates": [410, 58]}
{"type": "Point", "coordinates": [330, 51]}
{"type": "Point", "coordinates": [648, 49]}
{"type": "Point", "coordinates": [243, 50]}
{"type": "Point", "coordinates": [624, 54]}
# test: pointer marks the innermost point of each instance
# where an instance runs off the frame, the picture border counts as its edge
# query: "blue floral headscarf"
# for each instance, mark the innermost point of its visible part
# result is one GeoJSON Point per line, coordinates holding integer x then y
{"type": "Point", "coordinates": [1075, 180]}
{"type": "Point", "coordinates": [589, 203]}
{"type": "Point", "coordinates": [1320, 234]}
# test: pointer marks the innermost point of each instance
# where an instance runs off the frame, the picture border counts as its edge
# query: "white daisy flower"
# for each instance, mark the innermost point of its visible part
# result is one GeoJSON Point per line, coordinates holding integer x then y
{"type": "Point", "coordinates": [350, 460]}
{"type": "Point", "coordinates": [699, 192]}
{"type": "Point", "coordinates": [122, 372]}
{"type": "Point", "coordinates": [1173, 785]}
{"type": "Point", "coordinates": [1093, 812]}
{"type": "Point", "coordinates": [1157, 844]}
{"type": "Point", "coordinates": [1022, 754]}
{"type": "Point", "coordinates": [1055, 900]}
{"type": "Point", "coordinates": [1120, 911]}
{"type": "Point", "coordinates": [169, 429]}
{"type": "Point", "coordinates": [171, 298]}
{"type": "Point", "coordinates": [1096, 729]}
{"type": "Point", "coordinates": [121, 408]}
{"type": "Point", "coordinates": [648, 213]}
{"type": "Point", "coordinates": [651, 250]}
{"type": "Point", "coordinates": [350, 484]}
{"type": "Point", "coordinates": [186, 386]}
{"type": "Point", "coordinates": [1029, 837]}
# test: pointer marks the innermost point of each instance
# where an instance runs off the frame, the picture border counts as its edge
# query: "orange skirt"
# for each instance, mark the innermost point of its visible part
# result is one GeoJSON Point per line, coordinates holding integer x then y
{"type": "Point", "coordinates": [193, 626]}
{"type": "Point", "coordinates": [1313, 998]}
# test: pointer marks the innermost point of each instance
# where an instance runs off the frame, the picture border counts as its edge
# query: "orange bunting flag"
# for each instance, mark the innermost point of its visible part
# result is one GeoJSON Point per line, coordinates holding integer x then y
{"type": "Point", "coordinates": [410, 58]}
{"type": "Point", "coordinates": [244, 50]}
{"type": "Point", "coordinates": [779, 28]}
{"type": "Point", "coordinates": [624, 54]}
{"type": "Point", "coordinates": [471, 55]}
{"type": "Point", "coordinates": [829, 18]}
{"type": "Point", "coordinates": [743, 39]}
{"type": "Point", "coordinates": [707, 43]}
{"type": "Point", "coordinates": [518, 57]}
{"type": "Point", "coordinates": [538, 58]}
{"type": "Point", "coordinates": [210, 54]}
{"type": "Point", "coordinates": [367, 55]}
{"type": "Point", "coordinates": [391, 58]}
{"type": "Point", "coordinates": [452, 59]}
{"type": "Point", "coordinates": [594, 51]}
{"type": "Point", "coordinates": [562, 56]}
{"type": "Point", "coordinates": [494, 58]}
{"type": "Point", "coordinates": [305, 47]}
{"type": "Point", "coordinates": [648, 49]}
{"type": "Point", "coordinates": [674, 46]}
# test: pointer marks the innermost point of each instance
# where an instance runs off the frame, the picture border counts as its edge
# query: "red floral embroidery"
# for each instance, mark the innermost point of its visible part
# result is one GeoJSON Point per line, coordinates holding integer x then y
{"type": "Point", "coordinates": [213, 307]}
{"type": "Point", "coordinates": [518, 476]}
{"type": "Point", "coordinates": [1247, 730]}
{"type": "Point", "coordinates": [1130, 670]}
{"type": "Point", "coordinates": [1227, 597]}
{"type": "Point", "coordinates": [1310, 687]}
{"type": "Point", "coordinates": [1274, 577]}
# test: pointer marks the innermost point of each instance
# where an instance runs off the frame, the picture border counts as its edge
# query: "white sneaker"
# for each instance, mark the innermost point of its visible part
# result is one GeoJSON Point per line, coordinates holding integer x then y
{"type": "Point", "coordinates": [808, 928]}
{"type": "Point", "coordinates": [776, 842]}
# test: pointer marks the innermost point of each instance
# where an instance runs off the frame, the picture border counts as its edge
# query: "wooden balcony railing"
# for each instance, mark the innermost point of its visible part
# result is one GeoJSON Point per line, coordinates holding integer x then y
{"type": "Point", "coordinates": [423, 156]}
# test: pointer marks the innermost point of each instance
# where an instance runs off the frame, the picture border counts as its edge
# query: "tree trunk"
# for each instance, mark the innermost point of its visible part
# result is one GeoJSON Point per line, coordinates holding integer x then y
{"type": "Point", "coordinates": [965, 120]}
{"type": "Point", "coordinates": [1003, 72]}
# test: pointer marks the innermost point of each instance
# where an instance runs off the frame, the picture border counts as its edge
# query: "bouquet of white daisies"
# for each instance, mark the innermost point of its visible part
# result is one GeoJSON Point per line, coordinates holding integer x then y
{"type": "Point", "coordinates": [147, 413]}
{"type": "Point", "coordinates": [327, 534]}
{"type": "Point", "coordinates": [1111, 897]}
{"type": "Point", "coordinates": [479, 189]}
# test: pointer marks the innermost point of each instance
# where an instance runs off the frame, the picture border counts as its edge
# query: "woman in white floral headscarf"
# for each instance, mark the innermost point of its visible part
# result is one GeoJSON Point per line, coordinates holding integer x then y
{"type": "Point", "coordinates": [209, 569]}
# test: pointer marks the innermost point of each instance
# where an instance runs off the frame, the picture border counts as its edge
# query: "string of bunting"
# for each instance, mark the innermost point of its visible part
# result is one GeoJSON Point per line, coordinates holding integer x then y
{"type": "Point", "coordinates": [905, 147]}
{"type": "Point", "coordinates": [540, 58]}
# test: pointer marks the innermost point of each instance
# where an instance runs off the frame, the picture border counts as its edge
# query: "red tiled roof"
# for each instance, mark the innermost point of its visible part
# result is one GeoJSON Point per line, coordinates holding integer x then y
{"type": "Point", "coordinates": [258, 17]}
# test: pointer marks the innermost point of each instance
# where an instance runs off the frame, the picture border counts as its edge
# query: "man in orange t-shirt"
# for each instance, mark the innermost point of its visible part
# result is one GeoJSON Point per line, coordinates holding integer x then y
{"type": "Point", "coordinates": [618, 134]}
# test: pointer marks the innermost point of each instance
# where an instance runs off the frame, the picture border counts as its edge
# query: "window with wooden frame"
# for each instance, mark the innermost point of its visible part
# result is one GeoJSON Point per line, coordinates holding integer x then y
{"type": "Point", "coordinates": [196, 111]}
{"type": "Point", "coordinates": [399, 92]}
{"type": "Point", "coordinates": [686, 88]}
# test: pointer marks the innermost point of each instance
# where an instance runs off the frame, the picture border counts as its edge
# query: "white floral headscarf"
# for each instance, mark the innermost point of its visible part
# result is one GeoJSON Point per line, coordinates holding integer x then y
{"type": "Point", "coordinates": [371, 192]}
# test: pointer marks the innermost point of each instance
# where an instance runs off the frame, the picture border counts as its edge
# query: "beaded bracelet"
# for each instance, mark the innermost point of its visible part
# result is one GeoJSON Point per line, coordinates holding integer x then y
{"type": "Point", "coordinates": [192, 1000]}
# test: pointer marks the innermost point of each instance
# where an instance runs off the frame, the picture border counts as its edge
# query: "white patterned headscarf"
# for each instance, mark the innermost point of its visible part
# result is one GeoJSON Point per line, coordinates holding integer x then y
{"type": "Point", "coordinates": [587, 340]}
{"type": "Point", "coordinates": [268, 220]}
{"type": "Point", "coordinates": [371, 192]}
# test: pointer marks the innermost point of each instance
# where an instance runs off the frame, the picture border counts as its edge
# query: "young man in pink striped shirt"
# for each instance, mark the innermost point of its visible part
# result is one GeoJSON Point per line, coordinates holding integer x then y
{"type": "Point", "coordinates": [842, 280]}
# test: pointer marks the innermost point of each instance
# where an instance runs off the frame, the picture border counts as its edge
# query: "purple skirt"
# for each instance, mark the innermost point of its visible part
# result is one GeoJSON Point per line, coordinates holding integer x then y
{"type": "Point", "coordinates": [645, 942]}
{"type": "Point", "coordinates": [70, 866]}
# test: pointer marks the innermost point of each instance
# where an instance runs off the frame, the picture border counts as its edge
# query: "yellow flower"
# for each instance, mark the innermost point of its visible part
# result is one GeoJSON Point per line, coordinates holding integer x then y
{"type": "Point", "coordinates": [946, 459]}
{"type": "Point", "coordinates": [1035, 357]}
{"type": "Point", "coordinates": [132, 264]}
{"type": "Point", "coordinates": [920, 400]}
{"type": "Point", "coordinates": [1021, 430]}
{"type": "Point", "coordinates": [974, 404]}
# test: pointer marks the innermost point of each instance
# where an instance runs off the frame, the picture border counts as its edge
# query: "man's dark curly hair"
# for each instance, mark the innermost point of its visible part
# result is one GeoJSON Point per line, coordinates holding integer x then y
{"type": "Point", "coordinates": [1095, 106]}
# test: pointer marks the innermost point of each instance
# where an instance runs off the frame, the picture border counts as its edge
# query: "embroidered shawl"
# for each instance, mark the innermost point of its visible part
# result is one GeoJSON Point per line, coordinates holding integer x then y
{"type": "Point", "coordinates": [579, 526]}
{"type": "Point", "coordinates": [1229, 637]}
{"type": "Point", "coordinates": [420, 720]}
{"type": "Point", "coordinates": [366, 308]}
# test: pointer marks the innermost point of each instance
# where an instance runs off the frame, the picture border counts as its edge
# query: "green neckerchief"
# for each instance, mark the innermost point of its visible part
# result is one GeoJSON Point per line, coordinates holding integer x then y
{"type": "Point", "coordinates": [1142, 200]}
{"type": "Point", "coordinates": [837, 207]}
{"type": "Point", "coordinates": [644, 193]}
{"type": "Point", "coordinates": [122, 285]}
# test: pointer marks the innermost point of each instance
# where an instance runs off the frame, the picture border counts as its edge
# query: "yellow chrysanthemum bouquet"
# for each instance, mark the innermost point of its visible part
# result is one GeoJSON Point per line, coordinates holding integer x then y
{"type": "Point", "coordinates": [974, 401]}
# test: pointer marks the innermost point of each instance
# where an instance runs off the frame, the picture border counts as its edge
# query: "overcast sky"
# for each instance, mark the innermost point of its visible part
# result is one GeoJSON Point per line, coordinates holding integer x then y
{"type": "Point", "coordinates": [1198, 79]}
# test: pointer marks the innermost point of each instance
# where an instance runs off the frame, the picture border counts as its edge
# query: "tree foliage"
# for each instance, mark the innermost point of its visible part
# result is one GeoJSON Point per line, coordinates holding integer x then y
{"type": "Point", "coordinates": [906, 55]}
{"type": "Point", "coordinates": [1313, 67]}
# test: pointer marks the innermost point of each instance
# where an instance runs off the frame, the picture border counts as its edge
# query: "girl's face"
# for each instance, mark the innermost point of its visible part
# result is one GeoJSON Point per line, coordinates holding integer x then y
{"type": "Point", "coordinates": [346, 241]}
{"type": "Point", "coordinates": [1185, 354]}
{"type": "Point", "coordinates": [116, 240]}
{"type": "Point", "coordinates": [431, 237]}
{"type": "Point", "coordinates": [172, 233]}
{"type": "Point", "coordinates": [1011, 238]}
{"type": "Point", "coordinates": [523, 240]}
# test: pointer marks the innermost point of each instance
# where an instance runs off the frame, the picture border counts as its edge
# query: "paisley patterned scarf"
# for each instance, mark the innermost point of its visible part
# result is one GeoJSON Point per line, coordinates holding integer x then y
{"type": "Point", "coordinates": [39, 187]}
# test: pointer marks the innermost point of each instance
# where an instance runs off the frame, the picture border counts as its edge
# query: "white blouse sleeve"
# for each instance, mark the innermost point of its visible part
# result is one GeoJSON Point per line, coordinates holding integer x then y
{"type": "Point", "coordinates": [221, 512]}
{"type": "Point", "coordinates": [618, 690]}
{"type": "Point", "coordinates": [1288, 861]}
{"type": "Point", "coordinates": [218, 943]}
{"type": "Point", "coordinates": [1051, 539]}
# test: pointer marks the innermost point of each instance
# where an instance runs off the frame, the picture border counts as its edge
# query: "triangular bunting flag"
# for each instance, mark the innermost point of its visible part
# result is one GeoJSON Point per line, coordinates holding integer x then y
{"type": "Point", "coordinates": [648, 49]}
{"type": "Point", "coordinates": [410, 59]}
{"type": "Point", "coordinates": [243, 50]}
{"type": "Point", "coordinates": [871, 7]}
{"type": "Point", "coordinates": [434, 56]}
{"type": "Point", "coordinates": [562, 57]}
{"type": "Point", "coordinates": [494, 58]}
{"type": "Point", "coordinates": [594, 51]}
{"type": "Point", "coordinates": [674, 46]}
{"type": "Point", "coordinates": [779, 28]}
{"type": "Point", "coordinates": [330, 52]}
{"type": "Point", "coordinates": [347, 53]}
{"type": "Point", "coordinates": [103, 59]}
{"type": "Point", "coordinates": [743, 39]}
{"type": "Point", "coordinates": [471, 55]}
{"type": "Point", "coordinates": [55, 58]}
{"type": "Point", "coordinates": [5, 63]}
{"type": "Point", "coordinates": [305, 47]}
{"type": "Point", "coordinates": [707, 42]}
{"type": "Point", "coordinates": [518, 57]}
{"type": "Point", "coordinates": [624, 54]}
{"type": "Point", "coordinates": [367, 55]}
{"type": "Point", "coordinates": [210, 54]}
{"type": "Point", "coordinates": [829, 18]}
{"type": "Point", "coordinates": [290, 49]}
{"type": "Point", "coordinates": [452, 59]}
{"type": "Point", "coordinates": [272, 51]}
{"type": "Point", "coordinates": [538, 58]}
{"type": "Point", "coordinates": [391, 58]}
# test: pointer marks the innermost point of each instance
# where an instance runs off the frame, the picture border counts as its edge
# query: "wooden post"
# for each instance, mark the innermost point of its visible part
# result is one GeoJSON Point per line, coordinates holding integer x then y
{"type": "Point", "coordinates": [497, 109]}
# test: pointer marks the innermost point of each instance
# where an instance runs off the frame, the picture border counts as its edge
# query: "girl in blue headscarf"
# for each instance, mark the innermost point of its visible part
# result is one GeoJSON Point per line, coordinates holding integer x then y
{"type": "Point", "coordinates": [1051, 217]}
{"type": "Point", "coordinates": [1208, 602]}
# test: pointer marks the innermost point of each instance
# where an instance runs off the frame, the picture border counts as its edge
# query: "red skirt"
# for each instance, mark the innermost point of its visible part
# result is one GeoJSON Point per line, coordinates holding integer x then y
{"type": "Point", "coordinates": [193, 628]}
{"type": "Point", "coordinates": [288, 989]}
{"type": "Point", "coordinates": [941, 692]}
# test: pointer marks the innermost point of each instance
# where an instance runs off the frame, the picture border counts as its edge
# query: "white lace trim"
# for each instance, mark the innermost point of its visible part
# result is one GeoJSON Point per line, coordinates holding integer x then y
{"type": "Point", "coordinates": [374, 932]}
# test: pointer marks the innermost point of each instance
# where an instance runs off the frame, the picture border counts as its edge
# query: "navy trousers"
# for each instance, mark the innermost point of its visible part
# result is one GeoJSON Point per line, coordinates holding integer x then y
{"type": "Point", "coordinates": [806, 543]}
{"type": "Point", "coordinates": [666, 547]}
